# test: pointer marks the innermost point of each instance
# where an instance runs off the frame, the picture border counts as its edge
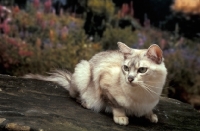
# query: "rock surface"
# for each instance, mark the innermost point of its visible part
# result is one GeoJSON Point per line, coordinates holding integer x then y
{"type": "Point", "coordinates": [33, 105]}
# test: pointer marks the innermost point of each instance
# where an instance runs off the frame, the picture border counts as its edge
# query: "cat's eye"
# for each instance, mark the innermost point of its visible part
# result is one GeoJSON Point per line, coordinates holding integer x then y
{"type": "Point", "coordinates": [142, 69]}
{"type": "Point", "coordinates": [126, 68]}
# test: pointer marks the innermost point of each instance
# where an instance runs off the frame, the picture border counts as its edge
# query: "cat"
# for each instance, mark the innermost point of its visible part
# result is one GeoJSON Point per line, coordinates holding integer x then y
{"type": "Point", "coordinates": [124, 82]}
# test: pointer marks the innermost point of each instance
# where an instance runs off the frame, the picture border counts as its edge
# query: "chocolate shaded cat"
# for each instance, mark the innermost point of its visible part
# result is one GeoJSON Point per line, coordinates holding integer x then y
{"type": "Point", "coordinates": [125, 82]}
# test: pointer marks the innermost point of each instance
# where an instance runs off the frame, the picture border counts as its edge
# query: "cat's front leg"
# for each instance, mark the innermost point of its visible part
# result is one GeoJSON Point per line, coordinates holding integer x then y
{"type": "Point", "coordinates": [152, 117]}
{"type": "Point", "coordinates": [119, 116]}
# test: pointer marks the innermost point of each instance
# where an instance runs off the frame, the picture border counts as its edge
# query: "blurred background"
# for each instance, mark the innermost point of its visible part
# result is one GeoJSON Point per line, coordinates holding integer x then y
{"type": "Point", "coordinates": [39, 35]}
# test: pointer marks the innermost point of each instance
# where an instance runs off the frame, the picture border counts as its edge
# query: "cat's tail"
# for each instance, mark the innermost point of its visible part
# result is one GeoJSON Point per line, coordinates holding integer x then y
{"type": "Point", "coordinates": [60, 77]}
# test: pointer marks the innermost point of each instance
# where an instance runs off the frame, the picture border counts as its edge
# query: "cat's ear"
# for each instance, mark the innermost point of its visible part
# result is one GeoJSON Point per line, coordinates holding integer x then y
{"type": "Point", "coordinates": [124, 49]}
{"type": "Point", "coordinates": [155, 53]}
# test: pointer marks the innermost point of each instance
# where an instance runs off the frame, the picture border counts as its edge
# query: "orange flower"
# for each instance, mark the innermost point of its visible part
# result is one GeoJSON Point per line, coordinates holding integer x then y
{"type": "Point", "coordinates": [38, 43]}
{"type": "Point", "coordinates": [187, 6]}
{"type": "Point", "coordinates": [96, 46]}
{"type": "Point", "coordinates": [64, 32]}
{"type": "Point", "coordinates": [52, 35]}
{"type": "Point", "coordinates": [52, 23]}
{"type": "Point", "coordinates": [16, 9]}
{"type": "Point", "coordinates": [39, 16]}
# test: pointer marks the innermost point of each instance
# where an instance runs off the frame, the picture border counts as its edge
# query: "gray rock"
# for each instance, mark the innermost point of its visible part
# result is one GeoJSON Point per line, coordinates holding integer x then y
{"type": "Point", "coordinates": [41, 106]}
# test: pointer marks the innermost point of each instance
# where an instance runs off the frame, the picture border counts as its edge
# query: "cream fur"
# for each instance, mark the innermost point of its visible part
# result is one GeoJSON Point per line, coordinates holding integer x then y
{"type": "Point", "coordinates": [102, 83]}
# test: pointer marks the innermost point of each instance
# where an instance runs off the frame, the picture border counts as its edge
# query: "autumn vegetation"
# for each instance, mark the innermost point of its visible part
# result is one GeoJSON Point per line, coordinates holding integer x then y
{"type": "Point", "coordinates": [38, 41]}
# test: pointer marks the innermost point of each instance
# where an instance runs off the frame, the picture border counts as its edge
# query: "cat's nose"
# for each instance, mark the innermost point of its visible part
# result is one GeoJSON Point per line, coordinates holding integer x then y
{"type": "Point", "coordinates": [130, 78]}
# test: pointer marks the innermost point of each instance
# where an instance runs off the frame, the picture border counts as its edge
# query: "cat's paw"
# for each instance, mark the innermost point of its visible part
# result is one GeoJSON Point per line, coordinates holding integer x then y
{"type": "Point", "coordinates": [153, 118]}
{"type": "Point", "coordinates": [85, 105]}
{"type": "Point", "coordinates": [121, 120]}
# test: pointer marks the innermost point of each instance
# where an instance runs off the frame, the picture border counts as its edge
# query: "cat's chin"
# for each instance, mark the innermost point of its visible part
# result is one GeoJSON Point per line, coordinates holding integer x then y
{"type": "Point", "coordinates": [132, 84]}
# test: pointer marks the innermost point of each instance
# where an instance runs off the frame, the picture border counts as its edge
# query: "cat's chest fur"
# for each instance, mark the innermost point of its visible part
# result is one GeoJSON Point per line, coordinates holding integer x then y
{"type": "Point", "coordinates": [133, 99]}
{"type": "Point", "coordinates": [137, 103]}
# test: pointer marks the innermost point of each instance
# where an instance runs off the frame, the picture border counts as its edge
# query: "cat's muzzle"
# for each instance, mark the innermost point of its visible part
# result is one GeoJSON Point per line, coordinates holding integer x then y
{"type": "Point", "coordinates": [130, 79]}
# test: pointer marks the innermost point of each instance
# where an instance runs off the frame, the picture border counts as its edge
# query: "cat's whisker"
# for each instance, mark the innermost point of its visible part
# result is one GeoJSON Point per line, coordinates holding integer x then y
{"type": "Point", "coordinates": [147, 90]}
{"type": "Point", "coordinates": [150, 82]}
{"type": "Point", "coordinates": [151, 86]}
{"type": "Point", "coordinates": [147, 84]}
{"type": "Point", "coordinates": [151, 90]}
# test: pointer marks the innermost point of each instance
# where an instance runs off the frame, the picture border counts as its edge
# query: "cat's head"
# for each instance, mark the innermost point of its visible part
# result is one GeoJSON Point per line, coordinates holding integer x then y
{"type": "Point", "coordinates": [144, 67]}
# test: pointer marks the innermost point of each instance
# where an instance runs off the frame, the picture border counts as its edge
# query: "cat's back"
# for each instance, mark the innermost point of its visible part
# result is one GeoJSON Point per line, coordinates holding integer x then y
{"type": "Point", "coordinates": [107, 58]}
{"type": "Point", "coordinates": [106, 67]}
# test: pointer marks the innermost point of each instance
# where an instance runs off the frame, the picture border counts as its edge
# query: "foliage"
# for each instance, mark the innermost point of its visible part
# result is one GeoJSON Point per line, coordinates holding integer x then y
{"type": "Point", "coordinates": [112, 35]}
{"type": "Point", "coordinates": [183, 76]}
{"type": "Point", "coordinates": [101, 7]}
{"type": "Point", "coordinates": [12, 52]}
{"type": "Point", "coordinates": [41, 41]}
{"type": "Point", "coordinates": [98, 14]}
{"type": "Point", "coordinates": [7, 2]}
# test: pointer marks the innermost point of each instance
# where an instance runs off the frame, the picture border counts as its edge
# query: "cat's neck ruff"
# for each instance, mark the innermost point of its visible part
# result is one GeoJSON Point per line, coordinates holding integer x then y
{"type": "Point", "coordinates": [134, 91]}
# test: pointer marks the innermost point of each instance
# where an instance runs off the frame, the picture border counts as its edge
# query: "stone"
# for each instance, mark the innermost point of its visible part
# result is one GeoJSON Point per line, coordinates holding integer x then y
{"type": "Point", "coordinates": [36, 105]}
{"type": "Point", "coordinates": [2, 120]}
{"type": "Point", "coordinates": [16, 127]}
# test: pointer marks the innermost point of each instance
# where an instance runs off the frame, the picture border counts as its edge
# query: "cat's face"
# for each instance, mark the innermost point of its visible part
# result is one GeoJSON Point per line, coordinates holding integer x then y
{"type": "Point", "coordinates": [143, 67]}
{"type": "Point", "coordinates": [138, 69]}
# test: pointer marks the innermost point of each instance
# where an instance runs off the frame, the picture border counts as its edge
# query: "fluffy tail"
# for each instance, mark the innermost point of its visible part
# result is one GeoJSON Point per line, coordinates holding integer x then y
{"type": "Point", "coordinates": [60, 77]}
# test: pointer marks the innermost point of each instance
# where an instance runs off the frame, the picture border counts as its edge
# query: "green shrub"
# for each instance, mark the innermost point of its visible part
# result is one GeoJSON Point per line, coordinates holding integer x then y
{"type": "Point", "coordinates": [112, 35]}
{"type": "Point", "coordinates": [101, 7]}
{"type": "Point", "coordinates": [183, 71]}
{"type": "Point", "coordinates": [39, 42]}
